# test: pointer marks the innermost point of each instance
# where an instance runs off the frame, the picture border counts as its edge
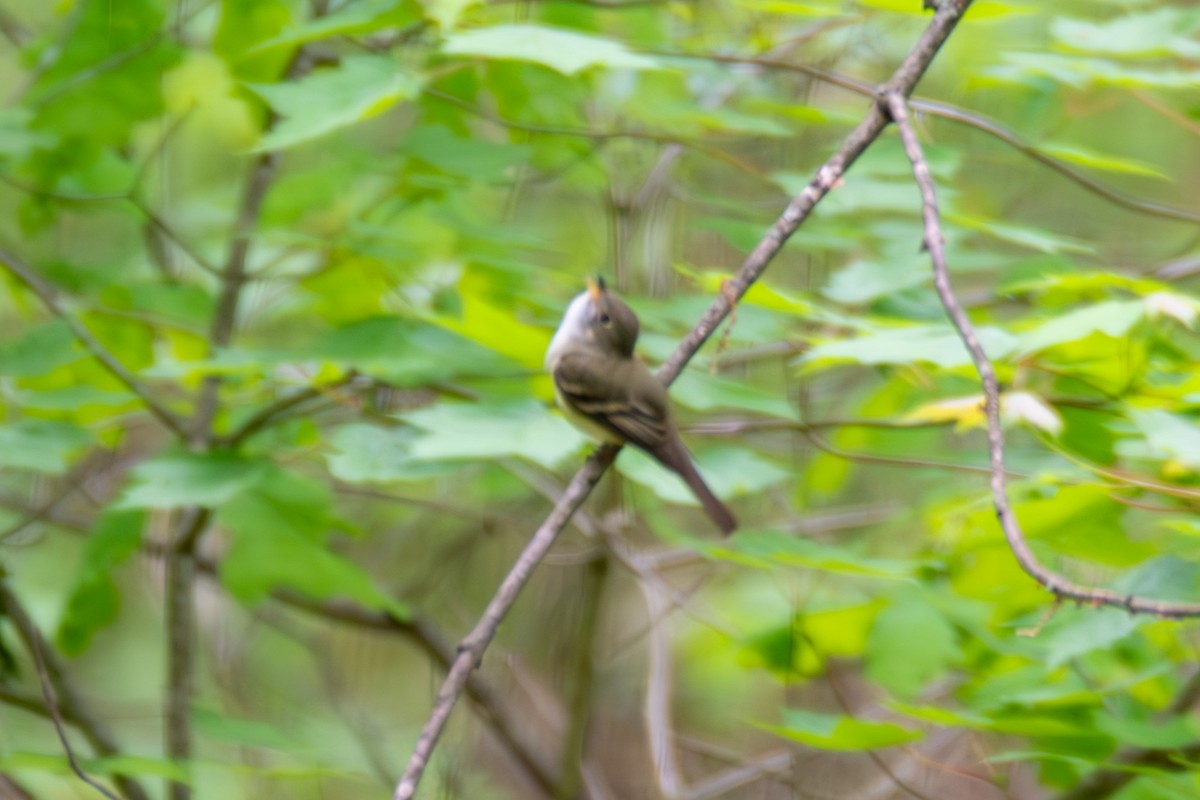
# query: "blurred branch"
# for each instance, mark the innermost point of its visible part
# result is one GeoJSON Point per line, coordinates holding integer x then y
{"type": "Point", "coordinates": [1061, 587]}
{"type": "Point", "coordinates": [61, 700]}
{"type": "Point", "coordinates": [579, 703]}
{"type": "Point", "coordinates": [421, 632]}
{"type": "Point", "coordinates": [13, 29]}
{"type": "Point", "coordinates": [472, 647]}
{"type": "Point", "coordinates": [971, 119]}
{"type": "Point", "coordinates": [84, 336]}
{"type": "Point", "coordinates": [896, 461]}
{"type": "Point", "coordinates": [181, 566]}
{"type": "Point", "coordinates": [1154, 104]}
{"type": "Point", "coordinates": [180, 622]}
{"type": "Point", "coordinates": [601, 136]}
{"type": "Point", "coordinates": [267, 415]}
{"type": "Point", "coordinates": [424, 635]}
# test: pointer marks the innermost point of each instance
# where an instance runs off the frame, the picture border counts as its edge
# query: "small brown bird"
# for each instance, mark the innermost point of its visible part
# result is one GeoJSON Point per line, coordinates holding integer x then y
{"type": "Point", "coordinates": [607, 391]}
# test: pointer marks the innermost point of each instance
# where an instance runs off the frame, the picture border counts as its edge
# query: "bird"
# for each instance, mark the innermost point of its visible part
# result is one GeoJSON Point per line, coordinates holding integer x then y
{"type": "Point", "coordinates": [604, 389]}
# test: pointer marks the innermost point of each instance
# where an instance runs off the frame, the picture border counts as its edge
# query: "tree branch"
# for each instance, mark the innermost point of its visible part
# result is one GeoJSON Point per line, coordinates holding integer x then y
{"type": "Point", "coordinates": [61, 699]}
{"type": "Point", "coordinates": [470, 650]}
{"type": "Point", "coordinates": [1061, 587]}
{"type": "Point", "coordinates": [473, 645]}
{"type": "Point", "coordinates": [84, 336]}
{"type": "Point", "coordinates": [957, 114]}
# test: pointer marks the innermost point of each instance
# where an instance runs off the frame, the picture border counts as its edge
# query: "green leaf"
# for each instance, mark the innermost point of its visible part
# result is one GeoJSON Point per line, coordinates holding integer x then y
{"type": "Point", "coordinates": [41, 445]}
{"type": "Point", "coordinates": [475, 158]}
{"type": "Point", "coordinates": [1026, 723]}
{"type": "Point", "coordinates": [362, 16]}
{"type": "Point", "coordinates": [359, 88]}
{"type": "Point", "coordinates": [39, 350]}
{"type": "Point", "coordinates": [95, 599]}
{"type": "Point", "coordinates": [771, 549]}
{"type": "Point", "coordinates": [1074, 634]}
{"type": "Point", "coordinates": [82, 99]}
{"type": "Point", "coordinates": [866, 280]}
{"type": "Point", "coordinates": [1022, 235]}
{"type": "Point", "coordinates": [834, 732]}
{"type": "Point", "coordinates": [562, 50]}
{"type": "Point", "coordinates": [1162, 32]}
{"type": "Point", "coordinates": [1113, 318]}
{"type": "Point", "coordinates": [1155, 735]}
{"type": "Point", "coordinates": [406, 352]}
{"type": "Point", "coordinates": [1169, 435]}
{"type": "Point", "coordinates": [18, 140]}
{"type": "Point", "coordinates": [279, 529]}
{"type": "Point", "coordinates": [491, 430]}
{"type": "Point", "coordinates": [1165, 576]}
{"type": "Point", "coordinates": [939, 345]}
{"type": "Point", "coordinates": [1084, 157]}
{"type": "Point", "coordinates": [728, 471]}
{"type": "Point", "coordinates": [1084, 522]}
{"type": "Point", "coordinates": [249, 732]}
{"type": "Point", "coordinates": [242, 27]}
{"type": "Point", "coordinates": [371, 454]}
{"type": "Point", "coordinates": [191, 479]}
{"type": "Point", "coordinates": [702, 391]}
{"type": "Point", "coordinates": [1080, 73]}
{"type": "Point", "coordinates": [894, 661]}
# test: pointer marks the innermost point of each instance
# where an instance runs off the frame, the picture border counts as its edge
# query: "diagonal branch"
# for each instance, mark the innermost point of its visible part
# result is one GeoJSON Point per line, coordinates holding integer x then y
{"type": "Point", "coordinates": [1061, 587]}
{"type": "Point", "coordinates": [472, 647]}
{"type": "Point", "coordinates": [47, 295]}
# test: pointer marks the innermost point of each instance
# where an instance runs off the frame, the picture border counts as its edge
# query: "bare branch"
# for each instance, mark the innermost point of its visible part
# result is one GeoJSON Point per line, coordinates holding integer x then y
{"type": "Point", "coordinates": [475, 643]}
{"type": "Point", "coordinates": [471, 649]}
{"type": "Point", "coordinates": [61, 700]}
{"type": "Point", "coordinates": [965, 117]}
{"type": "Point", "coordinates": [84, 336]}
{"type": "Point", "coordinates": [579, 705]}
{"type": "Point", "coordinates": [421, 632]}
{"type": "Point", "coordinates": [265, 416]}
{"type": "Point", "coordinates": [1061, 587]}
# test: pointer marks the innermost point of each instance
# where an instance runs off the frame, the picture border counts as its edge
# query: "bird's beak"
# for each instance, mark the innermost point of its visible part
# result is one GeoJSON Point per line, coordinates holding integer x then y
{"type": "Point", "coordinates": [595, 288]}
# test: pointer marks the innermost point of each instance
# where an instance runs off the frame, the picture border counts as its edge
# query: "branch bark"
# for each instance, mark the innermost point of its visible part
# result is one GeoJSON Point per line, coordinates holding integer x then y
{"type": "Point", "coordinates": [66, 703]}
{"type": "Point", "coordinates": [28, 276]}
{"type": "Point", "coordinates": [472, 647]}
{"type": "Point", "coordinates": [894, 102]}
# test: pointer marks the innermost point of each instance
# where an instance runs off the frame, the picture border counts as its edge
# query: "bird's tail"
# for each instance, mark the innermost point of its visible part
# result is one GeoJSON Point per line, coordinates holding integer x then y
{"type": "Point", "coordinates": [674, 455]}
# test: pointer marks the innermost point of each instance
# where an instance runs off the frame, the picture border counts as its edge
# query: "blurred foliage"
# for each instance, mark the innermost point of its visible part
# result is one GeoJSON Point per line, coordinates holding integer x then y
{"type": "Point", "coordinates": [440, 176]}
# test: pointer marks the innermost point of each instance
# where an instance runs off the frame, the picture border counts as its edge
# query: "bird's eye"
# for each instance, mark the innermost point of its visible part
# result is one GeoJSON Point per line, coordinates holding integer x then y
{"type": "Point", "coordinates": [605, 320]}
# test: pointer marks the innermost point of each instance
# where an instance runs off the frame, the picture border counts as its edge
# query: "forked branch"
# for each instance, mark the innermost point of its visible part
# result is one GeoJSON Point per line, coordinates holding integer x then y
{"type": "Point", "coordinates": [472, 647]}
{"type": "Point", "coordinates": [895, 103]}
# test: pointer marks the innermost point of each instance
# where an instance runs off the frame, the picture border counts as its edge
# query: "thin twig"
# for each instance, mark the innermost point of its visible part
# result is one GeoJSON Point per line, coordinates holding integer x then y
{"type": "Point", "coordinates": [487, 699]}
{"type": "Point", "coordinates": [35, 649]}
{"type": "Point", "coordinates": [673, 140]}
{"type": "Point", "coordinates": [47, 295]}
{"type": "Point", "coordinates": [1061, 587]}
{"type": "Point", "coordinates": [266, 415]}
{"type": "Point", "coordinates": [475, 643]}
{"type": "Point", "coordinates": [965, 117]}
{"type": "Point", "coordinates": [579, 705]}
{"type": "Point", "coordinates": [62, 701]}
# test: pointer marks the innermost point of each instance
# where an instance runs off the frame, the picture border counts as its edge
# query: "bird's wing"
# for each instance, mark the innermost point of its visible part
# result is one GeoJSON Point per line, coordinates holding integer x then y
{"type": "Point", "coordinates": [598, 389]}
